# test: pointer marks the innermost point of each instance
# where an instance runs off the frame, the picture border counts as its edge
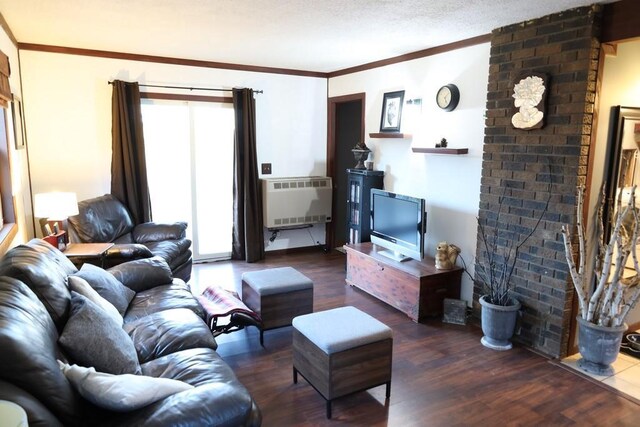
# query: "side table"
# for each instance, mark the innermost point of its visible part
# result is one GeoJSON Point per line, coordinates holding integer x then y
{"type": "Point", "coordinates": [79, 253]}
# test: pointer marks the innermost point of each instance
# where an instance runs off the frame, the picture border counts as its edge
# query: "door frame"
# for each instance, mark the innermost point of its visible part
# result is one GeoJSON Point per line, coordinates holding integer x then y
{"type": "Point", "coordinates": [332, 105]}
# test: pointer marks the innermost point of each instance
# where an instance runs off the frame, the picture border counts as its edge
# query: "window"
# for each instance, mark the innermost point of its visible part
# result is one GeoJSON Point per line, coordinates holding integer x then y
{"type": "Point", "coordinates": [189, 150]}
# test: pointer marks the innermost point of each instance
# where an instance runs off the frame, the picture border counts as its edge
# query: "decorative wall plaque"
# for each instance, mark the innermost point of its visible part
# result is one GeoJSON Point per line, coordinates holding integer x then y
{"type": "Point", "coordinates": [529, 99]}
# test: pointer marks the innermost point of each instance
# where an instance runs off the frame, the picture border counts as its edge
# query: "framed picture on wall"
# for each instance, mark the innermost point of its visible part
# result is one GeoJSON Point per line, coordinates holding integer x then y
{"type": "Point", "coordinates": [391, 111]}
{"type": "Point", "coordinates": [18, 122]}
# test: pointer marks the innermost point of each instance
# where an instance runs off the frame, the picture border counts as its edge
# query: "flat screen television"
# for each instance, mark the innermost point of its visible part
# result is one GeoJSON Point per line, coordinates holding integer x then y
{"type": "Point", "coordinates": [398, 224]}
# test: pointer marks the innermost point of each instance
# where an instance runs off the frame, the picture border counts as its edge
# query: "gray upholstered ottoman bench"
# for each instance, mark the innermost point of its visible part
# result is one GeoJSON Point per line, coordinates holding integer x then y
{"type": "Point", "coordinates": [277, 295]}
{"type": "Point", "coordinates": [342, 351]}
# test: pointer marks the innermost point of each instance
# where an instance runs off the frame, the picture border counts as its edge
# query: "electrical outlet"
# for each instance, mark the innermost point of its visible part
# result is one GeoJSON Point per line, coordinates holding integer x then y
{"type": "Point", "coordinates": [266, 168]}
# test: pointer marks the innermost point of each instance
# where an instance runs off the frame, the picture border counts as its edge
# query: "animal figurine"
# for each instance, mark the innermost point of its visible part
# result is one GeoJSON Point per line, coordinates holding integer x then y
{"type": "Point", "coordinates": [446, 256]}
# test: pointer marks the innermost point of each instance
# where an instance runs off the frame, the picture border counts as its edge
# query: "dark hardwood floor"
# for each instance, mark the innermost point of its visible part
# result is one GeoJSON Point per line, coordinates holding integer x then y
{"type": "Point", "coordinates": [442, 375]}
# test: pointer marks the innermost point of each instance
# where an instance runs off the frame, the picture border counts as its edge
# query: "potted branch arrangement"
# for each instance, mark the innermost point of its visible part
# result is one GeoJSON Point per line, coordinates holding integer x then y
{"type": "Point", "coordinates": [499, 309]}
{"type": "Point", "coordinates": [606, 297]}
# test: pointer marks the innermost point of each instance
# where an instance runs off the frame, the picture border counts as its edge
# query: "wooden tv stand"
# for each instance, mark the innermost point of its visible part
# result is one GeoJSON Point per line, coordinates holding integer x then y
{"type": "Point", "coordinates": [416, 288]}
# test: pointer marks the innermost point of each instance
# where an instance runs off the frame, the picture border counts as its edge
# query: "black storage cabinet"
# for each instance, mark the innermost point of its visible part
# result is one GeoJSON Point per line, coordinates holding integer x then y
{"type": "Point", "coordinates": [360, 182]}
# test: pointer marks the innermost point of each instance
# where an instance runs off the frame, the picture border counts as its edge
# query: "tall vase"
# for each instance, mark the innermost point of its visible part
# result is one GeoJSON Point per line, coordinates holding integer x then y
{"type": "Point", "coordinates": [498, 324]}
{"type": "Point", "coordinates": [599, 346]}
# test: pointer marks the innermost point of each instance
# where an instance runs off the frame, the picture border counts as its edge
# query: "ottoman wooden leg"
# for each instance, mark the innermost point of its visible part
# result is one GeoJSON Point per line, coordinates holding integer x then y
{"type": "Point", "coordinates": [388, 394]}
{"type": "Point", "coordinates": [328, 409]}
{"type": "Point", "coordinates": [295, 375]}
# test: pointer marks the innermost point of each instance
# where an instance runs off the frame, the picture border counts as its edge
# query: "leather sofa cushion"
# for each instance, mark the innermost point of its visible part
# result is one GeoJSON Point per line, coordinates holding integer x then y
{"type": "Point", "coordinates": [44, 270]}
{"type": "Point", "coordinates": [29, 352]}
{"type": "Point", "coordinates": [196, 366]}
{"type": "Point", "coordinates": [109, 212]}
{"type": "Point", "coordinates": [167, 332]}
{"type": "Point", "coordinates": [160, 298]}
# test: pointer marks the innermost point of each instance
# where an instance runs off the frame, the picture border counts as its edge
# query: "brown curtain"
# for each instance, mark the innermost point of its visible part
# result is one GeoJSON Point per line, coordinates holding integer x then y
{"type": "Point", "coordinates": [248, 238]}
{"type": "Point", "coordinates": [128, 163]}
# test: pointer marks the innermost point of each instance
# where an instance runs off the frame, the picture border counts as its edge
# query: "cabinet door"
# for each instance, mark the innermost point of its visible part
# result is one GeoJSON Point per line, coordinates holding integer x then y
{"type": "Point", "coordinates": [354, 208]}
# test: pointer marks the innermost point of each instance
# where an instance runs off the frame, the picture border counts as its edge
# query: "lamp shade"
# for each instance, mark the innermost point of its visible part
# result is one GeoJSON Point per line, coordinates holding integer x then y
{"type": "Point", "coordinates": [55, 205]}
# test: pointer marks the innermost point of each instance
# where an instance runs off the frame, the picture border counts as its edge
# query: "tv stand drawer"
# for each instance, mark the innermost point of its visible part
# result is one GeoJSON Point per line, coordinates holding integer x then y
{"type": "Point", "coordinates": [416, 288]}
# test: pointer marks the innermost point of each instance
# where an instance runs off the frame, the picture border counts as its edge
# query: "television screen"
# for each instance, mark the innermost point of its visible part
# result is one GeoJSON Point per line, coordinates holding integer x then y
{"type": "Point", "coordinates": [396, 218]}
{"type": "Point", "coordinates": [398, 223]}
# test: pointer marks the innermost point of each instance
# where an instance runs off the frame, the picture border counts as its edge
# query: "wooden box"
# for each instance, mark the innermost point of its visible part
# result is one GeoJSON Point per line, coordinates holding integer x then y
{"type": "Point", "coordinates": [344, 372]}
{"type": "Point", "coordinates": [416, 288]}
{"type": "Point", "coordinates": [279, 309]}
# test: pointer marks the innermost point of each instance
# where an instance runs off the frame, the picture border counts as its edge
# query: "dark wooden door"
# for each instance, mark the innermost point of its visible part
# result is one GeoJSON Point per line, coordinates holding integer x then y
{"type": "Point", "coordinates": [346, 129]}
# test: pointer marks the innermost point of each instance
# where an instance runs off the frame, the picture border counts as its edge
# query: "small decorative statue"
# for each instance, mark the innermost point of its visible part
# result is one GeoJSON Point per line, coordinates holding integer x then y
{"type": "Point", "coordinates": [360, 153]}
{"type": "Point", "coordinates": [443, 143]}
{"type": "Point", "coordinates": [446, 256]}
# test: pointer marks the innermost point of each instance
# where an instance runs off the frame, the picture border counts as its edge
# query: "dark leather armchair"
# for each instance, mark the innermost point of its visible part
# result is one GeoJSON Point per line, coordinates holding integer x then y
{"type": "Point", "coordinates": [105, 219]}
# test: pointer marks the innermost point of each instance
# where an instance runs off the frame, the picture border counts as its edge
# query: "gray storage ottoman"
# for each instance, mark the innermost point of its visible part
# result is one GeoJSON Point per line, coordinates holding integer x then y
{"type": "Point", "coordinates": [277, 295]}
{"type": "Point", "coordinates": [342, 351]}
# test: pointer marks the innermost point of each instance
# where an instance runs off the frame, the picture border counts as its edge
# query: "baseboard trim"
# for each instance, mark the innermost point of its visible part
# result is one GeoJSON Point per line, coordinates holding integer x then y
{"type": "Point", "coordinates": [302, 249]}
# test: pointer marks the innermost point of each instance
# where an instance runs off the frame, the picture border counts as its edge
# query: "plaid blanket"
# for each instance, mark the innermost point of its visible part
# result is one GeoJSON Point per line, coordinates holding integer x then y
{"type": "Point", "coordinates": [219, 302]}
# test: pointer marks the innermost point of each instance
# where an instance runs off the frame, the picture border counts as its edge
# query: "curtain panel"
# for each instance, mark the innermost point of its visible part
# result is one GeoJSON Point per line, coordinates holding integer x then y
{"type": "Point", "coordinates": [128, 164]}
{"type": "Point", "coordinates": [248, 237]}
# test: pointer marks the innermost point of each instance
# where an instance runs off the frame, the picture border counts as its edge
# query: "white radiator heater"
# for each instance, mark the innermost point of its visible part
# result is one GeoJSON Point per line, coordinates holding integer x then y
{"type": "Point", "coordinates": [289, 202]}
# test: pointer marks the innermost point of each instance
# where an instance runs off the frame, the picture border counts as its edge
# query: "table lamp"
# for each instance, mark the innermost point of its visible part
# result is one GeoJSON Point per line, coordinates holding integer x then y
{"type": "Point", "coordinates": [54, 208]}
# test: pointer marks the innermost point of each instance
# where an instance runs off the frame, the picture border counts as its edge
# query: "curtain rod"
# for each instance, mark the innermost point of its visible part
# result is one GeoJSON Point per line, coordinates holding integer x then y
{"type": "Point", "coordinates": [190, 88]}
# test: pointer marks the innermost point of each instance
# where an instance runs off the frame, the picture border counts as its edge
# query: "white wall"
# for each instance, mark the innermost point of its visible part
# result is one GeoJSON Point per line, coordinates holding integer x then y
{"type": "Point", "coordinates": [17, 158]}
{"type": "Point", "coordinates": [449, 184]}
{"type": "Point", "coordinates": [620, 86]}
{"type": "Point", "coordinates": [68, 110]}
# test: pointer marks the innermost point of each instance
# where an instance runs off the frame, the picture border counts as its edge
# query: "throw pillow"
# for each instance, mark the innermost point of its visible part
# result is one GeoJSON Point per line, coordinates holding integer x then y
{"type": "Point", "coordinates": [120, 392]}
{"type": "Point", "coordinates": [92, 338]}
{"type": "Point", "coordinates": [81, 286]}
{"type": "Point", "coordinates": [107, 286]}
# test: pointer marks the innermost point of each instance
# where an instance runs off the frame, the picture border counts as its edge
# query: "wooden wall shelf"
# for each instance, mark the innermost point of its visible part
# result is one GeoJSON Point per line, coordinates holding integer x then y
{"type": "Point", "coordinates": [389, 135]}
{"type": "Point", "coordinates": [440, 150]}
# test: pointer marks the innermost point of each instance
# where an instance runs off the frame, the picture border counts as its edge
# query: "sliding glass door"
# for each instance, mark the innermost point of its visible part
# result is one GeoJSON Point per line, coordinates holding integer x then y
{"type": "Point", "coordinates": [189, 149]}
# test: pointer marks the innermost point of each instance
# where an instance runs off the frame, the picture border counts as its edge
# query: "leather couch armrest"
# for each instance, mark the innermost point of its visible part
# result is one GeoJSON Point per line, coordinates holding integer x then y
{"type": "Point", "coordinates": [210, 404]}
{"type": "Point", "coordinates": [130, 251]}
{"type": "Point", "coordinates": [143, 274]}
{"type": "Point", "coordinates": [152, 232]}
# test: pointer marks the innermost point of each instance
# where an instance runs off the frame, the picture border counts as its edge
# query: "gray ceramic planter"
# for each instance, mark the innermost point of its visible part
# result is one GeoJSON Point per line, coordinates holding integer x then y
{"type": "Point", "coordinates": [498, 324]}
{"type": "Point", "coordinates": [599, 346]}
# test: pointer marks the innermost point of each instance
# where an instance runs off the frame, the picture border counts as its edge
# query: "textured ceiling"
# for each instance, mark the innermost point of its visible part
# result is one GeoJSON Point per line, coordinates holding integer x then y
{"type": "Point", "coordinates": [313, 35]}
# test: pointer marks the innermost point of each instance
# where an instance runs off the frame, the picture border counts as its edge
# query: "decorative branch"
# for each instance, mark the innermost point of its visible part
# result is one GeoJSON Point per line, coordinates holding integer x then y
{"type": "Point", "coordinates": [614, 295]}
{"type": "Point", "coordinates": [502, 247]}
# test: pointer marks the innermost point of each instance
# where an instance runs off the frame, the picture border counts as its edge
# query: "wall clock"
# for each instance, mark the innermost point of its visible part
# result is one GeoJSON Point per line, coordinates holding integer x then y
{"type": "Point", "coordinates": [448, 97]}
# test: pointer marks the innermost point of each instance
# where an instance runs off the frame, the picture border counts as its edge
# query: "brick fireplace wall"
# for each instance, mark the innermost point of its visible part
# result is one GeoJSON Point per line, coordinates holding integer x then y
{"type": "Point", "coordinates": [520, 166]}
